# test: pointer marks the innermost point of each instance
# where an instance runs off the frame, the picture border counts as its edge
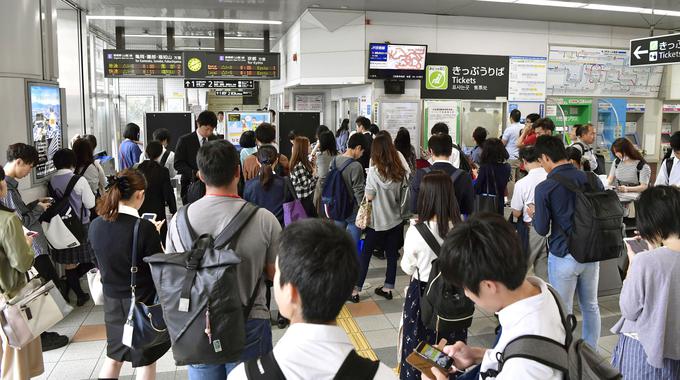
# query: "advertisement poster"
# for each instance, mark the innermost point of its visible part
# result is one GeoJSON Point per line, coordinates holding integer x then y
{"type": "Point", "coordinates": [441, 112]}
{"type": "Point", "coordinates": [465, 76]}
{"type": "Point", "coordinates": [239, 122]}
{"type": "Point", "coordinates": [45, 123]}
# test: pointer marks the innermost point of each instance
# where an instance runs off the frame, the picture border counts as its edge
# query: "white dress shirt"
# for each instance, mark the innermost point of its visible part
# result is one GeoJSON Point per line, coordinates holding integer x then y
{"type": "Point", "coordinates": [454, 159]}
{"type": "Point", "coordinates": [311, 351]}
{"type": "Point", "coordinates": [524, 191]}
{"type": "Point", "coordinates": [663, 179]}
{"type": "Point", "coordinates": [123, 209]}
{"type": "Point", "coordinates": [82, 188]}
{"type": "Point", "coordinates": [418, 256]}
{"type": "Point", "coordinates": [537, 315]}
{"type": "Point", "coordinates": [169, 163]}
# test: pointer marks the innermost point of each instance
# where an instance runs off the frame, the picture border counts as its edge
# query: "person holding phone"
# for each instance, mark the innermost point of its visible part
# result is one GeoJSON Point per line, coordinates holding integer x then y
{"type": "Point", "coordinates": [159, 191]}
{"type": "Point", "coordinates": [649, 328]}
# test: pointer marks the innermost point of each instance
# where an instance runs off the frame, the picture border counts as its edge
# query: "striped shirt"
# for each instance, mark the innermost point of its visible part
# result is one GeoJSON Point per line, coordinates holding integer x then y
{"type": "Point", "coordinates": [626, 173]}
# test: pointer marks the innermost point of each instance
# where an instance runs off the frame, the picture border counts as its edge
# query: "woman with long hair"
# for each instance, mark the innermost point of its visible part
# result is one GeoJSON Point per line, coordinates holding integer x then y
{"type": "Point", "coordinates": [403, 144]}
{"type": "Point", "coordinates": [384, 188]}
{"type": "Point", "coordinates": [326, 153]}
{"type": "Point", "coordinates": [494, 171]}
{"type": "Point", "coordinates": [438, 212]}
{"type": "Point", "coordinates": [342, 135]}
{"type": "Point", "coordinates": [630, 173]}
{"type": "Point", "coordinates": [302, 174]}
{"type": "Point", "coordinates": [112, 236]}
{"type": "Point", "coordinates": [87, 167]}
{"type": "Point", "coordinates": [479, 135]}
{"type": "Point", "coordinates": [268, 190]}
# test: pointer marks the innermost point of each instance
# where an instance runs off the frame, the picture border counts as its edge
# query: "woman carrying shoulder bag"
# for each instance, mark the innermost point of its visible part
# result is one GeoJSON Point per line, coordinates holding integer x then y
{"type": "Point", "coordinates": [494, 173]}
{"type": "Point", "coordinates": [112, 237]}
{"type": "Point", "coordinates": [16, 258]}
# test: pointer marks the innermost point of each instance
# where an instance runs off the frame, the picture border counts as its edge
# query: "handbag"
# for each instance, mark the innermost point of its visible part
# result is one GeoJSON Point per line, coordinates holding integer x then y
{"type": "Point", "coordinates": [364, 213]}
{"type": "Point", "coordinates": [487, 202]}
{"type": "Point", "coordinates": [293, 210]}
{"type": "Point", "coordinates": [37, 308]}
{"type": "Point", "coordinates": [145, 326]}
{"type": "Point", "coordinates": [94, 281]}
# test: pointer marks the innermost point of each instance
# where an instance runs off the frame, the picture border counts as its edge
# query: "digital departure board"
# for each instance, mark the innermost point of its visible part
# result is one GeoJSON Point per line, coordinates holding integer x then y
{"type": "Point", "coordinates": [142, 63]}
{"type": "Point", "coordinates": [231, 65]}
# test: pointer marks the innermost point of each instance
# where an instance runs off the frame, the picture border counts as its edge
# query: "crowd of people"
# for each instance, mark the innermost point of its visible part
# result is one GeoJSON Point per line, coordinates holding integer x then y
{"type": "Point", "coordinates": [441, 218]}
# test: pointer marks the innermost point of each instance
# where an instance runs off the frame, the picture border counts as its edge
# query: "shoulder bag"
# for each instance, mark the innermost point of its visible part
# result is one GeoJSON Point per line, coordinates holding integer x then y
{"type": "Point", "coordinates": [94, 281]}
{"type": "Point", "coordinates": [487, 202]}
{"type": "Point", "coordinates": [364, 214]}
{"type": "Point", "coordinates": [293, 210]}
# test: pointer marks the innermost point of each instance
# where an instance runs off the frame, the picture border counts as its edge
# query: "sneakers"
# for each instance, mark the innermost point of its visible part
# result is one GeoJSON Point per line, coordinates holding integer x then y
{"type": "Point", "coordinates": [52, 341]}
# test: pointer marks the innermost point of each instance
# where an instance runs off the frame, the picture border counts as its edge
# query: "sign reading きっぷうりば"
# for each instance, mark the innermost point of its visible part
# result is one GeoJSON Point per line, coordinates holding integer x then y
{"type": "Point", "coordinates": [463, 76]}
{"type": "Point", "coordinates": [657, 50]}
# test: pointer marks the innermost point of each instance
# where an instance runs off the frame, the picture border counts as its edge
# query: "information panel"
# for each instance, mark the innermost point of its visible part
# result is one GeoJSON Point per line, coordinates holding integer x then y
{"type": "Point", "coordinates": [441, 111]}
{"type": "Point", "coordinates": [45, 117]}
{"type": "Point", "coordinates": [394, 115]}
{"type": "Point", "coordinates": [216, 83]}
{"type": "Point", "coordinates": [586, 71]}
{"type": "Point", "coordinates": [527, 79]}
{"type": "Point", "coordinates": [142, 63]}
{"type": "Point", "coordinates": [464, 76]}
{"type": "Point", "coordinates": [239, 65]}
{"type": "Point", "coordinates": [388, 61]}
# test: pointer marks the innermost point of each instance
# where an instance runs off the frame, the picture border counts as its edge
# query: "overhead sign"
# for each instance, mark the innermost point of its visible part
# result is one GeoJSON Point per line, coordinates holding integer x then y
{"type": "Point", "coordinates": [142, 63]}
{"type": "Point", "coordinates": [231, 65]}
{"type": "Point", "coordinates": [462, 76]}
{"type": "Point", "coordinates": [658, 50]}
{"type": "Point", "coordinates": [527, 79]}
{"type": "Point", "coordinates": [388, 61]}
{"type": "Point", "coordinates": [216, 83]}
{"type": "Point", "coordinates": [236, 92]}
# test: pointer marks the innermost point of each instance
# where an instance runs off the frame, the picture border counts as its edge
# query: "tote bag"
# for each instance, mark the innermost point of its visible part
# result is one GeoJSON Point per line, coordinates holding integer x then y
{"type": "Point", "coordinates": [293, 210]}
{"type": "Point", "coordinates": [364, 213]}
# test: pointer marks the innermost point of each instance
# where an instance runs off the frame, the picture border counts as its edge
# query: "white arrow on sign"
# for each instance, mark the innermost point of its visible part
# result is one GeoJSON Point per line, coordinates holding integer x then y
{"type": "Point", "coordinates": [637, 52]}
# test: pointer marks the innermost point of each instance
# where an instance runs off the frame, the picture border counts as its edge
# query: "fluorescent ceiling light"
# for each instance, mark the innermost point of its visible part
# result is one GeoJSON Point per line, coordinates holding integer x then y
{"type": "Point", "coordinates": [551, 3]}
{"type": "Point", "coordinates": [615, 8]}
{"type": "Point", "coordinates": [194, 37]}
{"type": "Point", "coordinates": [598, 7]}
{"type": "Point", "coordinates": [213, 49]}
{"type": "Point", "coordinates": [499, 1]}
{"type": "Point", "coordinates": [184, 19]}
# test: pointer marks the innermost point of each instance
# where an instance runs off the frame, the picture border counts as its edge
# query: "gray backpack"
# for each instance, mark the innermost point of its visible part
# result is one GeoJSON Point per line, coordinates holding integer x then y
{"type": "Point", "coordinates": [575, 358]}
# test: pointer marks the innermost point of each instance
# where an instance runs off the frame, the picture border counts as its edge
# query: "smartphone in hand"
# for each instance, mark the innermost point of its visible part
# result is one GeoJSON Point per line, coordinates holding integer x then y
{"type": "Point", "coordinates": [426, 356]}
{"type": "Point", "coordinates": [149, 216]}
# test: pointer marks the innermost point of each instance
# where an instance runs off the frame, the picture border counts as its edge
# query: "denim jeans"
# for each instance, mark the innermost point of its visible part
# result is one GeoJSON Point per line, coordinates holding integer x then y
{"type": "Point", "coordinates": [393, 240]}
{"type": "Point", "coordinates": [568, 276]}
{"type": "Point", "coordinates": [258, 343]}
{"type": "Point", "coordinates": [352, 228]}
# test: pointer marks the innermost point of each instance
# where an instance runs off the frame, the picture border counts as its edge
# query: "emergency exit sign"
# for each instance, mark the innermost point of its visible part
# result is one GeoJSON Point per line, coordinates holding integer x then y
{"type": "Point", "coordinates": [657, 50]}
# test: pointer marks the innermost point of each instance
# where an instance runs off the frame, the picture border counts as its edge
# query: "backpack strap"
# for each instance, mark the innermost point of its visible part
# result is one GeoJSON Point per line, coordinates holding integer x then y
{"type": "Point", "coordinates": [264, 368]}
{"type": "Point", "coordinates": [456, 174]}
{"type": "Point", "coordinates": [356, 367]}
{"type": "Point", "coordinates": [428, 237]}
{"type": "Point", "coordinates": [669, 167]}
{"type": "Point", "coordinates": [71, 185]}
{"type": "Point", "coordinates": [82, 172]}
{"type": "Point", "coordinates": [569, 184]}
{"type": "Point", "coordinates": [164, 157]}
{"type": "Point", "coordinates": [345, 165]}
{"type": "Point", "coordinates": [187, 235]}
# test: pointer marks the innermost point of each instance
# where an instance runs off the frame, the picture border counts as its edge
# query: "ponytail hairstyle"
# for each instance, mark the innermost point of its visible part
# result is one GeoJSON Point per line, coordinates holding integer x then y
{"type": "Point", "coordinates": [267, 156]}
{"type": "Point", "coordinates": [120, 187]}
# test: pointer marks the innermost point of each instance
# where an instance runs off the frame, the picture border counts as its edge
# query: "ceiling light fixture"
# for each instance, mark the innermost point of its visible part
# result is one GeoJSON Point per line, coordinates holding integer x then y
{"type": "Point", "coordinates": [615, 8]}
{"type": "Point", "coordinates": [551, 3]}
{"type": "Point", "coordinates": [184, 19]}
{"type": "Point", "coordinates": [597, 7]}
{"type": "Point", "coordinates": [198, 37]}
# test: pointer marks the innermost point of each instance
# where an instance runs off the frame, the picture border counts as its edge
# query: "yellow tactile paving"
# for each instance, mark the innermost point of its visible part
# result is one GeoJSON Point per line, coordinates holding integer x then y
{"type": "Point", "coordinates": [347, 323]}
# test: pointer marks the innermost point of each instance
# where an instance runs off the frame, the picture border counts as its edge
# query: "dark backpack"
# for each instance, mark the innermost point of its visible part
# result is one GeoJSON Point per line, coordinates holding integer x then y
{"type": "Point", "coordinates": [164, 157]}
{"type": "Point", "coordinates": [354, 367]}
{"type": "Point", "coordinates": [596, 227]}
{"type": "Point", "coordinates": [576, 359]}
{"type": "Point", "coordinates": [336, 198]}
{"type": "Point", "coordinates": [640, 165]}
{"type": "Point", "coordinates": [669, 167]}
{"type": "Point", "coordinates": [199, 292]}
{"type": "Point", "coordinates": [62, 207]}
{"type": "Point", "coordinates": [444, 308]}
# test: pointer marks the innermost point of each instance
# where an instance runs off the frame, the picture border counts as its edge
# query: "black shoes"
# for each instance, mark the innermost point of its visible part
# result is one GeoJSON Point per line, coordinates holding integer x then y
{"type": "Point", "coordinates": [282, 322]}
{"type": "Point", "coordinates": [387, 295]}
{"type": "Point", "coordinates": [82, 299]}
{"type": "Point", "coordinates": [380, 255]}
{"type": "Point", "coordinates": [52, 341]}
{"type": "Point", "coordinates": [354, 298]}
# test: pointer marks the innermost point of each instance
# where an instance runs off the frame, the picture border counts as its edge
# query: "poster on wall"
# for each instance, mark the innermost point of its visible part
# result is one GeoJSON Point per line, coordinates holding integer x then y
{"type": "Point", "coordinates": [527, 79]}
{"type": "Point", "coordinates": [45, 118]}
{"type": "Point", "coordinates": [309, 102]}
{"type": "Point", "coordinates": [239, 122]}
{"type": "Point", "coordinates": [395, 115]}
{"type": "Point", "coordinates": [439, 111]}
{"type": "Point", "coordinates": [465, 76]}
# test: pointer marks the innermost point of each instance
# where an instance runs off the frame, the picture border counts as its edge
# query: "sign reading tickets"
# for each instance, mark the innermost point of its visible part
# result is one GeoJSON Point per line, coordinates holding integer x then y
{"type": "Point", "coordinates": [231, 65]}
{"type": "Point", "coordinates": [657, 50]}
{"type": "Point", "coordinates": [142, 63]}
{"type": "Point", "coordinates": [463, 76]}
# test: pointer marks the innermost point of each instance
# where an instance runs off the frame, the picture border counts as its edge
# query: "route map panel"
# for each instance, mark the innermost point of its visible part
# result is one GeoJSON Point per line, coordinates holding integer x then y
{"type": "Point", "coordinates": [585, 71]}
{"type": "Point", "coordinates": [391, 61]}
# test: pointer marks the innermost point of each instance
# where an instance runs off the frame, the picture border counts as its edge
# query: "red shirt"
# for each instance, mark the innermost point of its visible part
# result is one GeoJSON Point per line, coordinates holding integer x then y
{"type": "Point", "coordinates": [530, 139]}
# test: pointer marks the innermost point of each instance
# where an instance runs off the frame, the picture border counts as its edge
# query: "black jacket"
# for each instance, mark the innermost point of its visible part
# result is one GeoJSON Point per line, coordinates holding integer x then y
{"type": "Point", "coordinates": [365, 158]}
{"type": "Point", "coordinates": [158, 189]}
{"type": "Point", "coordinates": [462, 187]}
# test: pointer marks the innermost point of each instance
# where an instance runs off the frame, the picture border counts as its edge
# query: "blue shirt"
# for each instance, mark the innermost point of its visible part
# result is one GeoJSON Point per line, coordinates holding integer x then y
{"type": "Point", "coordinates": [555, 207]}
{"type": "Point", "coordinates": [129, 154]}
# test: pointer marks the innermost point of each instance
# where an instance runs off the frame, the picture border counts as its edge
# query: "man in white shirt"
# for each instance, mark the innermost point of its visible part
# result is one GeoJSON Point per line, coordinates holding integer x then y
{"type": "Point", "coordinates": [522, 205]}
{"type": "Point", "coordinates": [585, 138]}
{"type": "Point", "coordinates": [510, 138]}
{"type": "Point", "coordinates": [669, 170]}
{"type": "Point", "coordinates": [221, 125]}
{"type": "Point", "coordinates": [483, 255]}
{"type": "Point", "coordinates": [314, 347]}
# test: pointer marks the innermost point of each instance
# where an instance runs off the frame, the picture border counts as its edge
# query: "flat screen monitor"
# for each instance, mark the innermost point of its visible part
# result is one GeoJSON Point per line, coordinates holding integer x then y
{"type": "Point", "coordinates": [239, 122]}
{"type": "Point", "coordinates": [395, 61]}
{"type": "Point", "coordinates": [665, 138]}
{"type": "Point", "coordinates": [45, 125]}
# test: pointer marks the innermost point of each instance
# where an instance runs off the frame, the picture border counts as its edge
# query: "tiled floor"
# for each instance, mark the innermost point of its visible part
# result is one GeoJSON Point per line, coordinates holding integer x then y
{"type": "Point", "coordinates": [372, 324]}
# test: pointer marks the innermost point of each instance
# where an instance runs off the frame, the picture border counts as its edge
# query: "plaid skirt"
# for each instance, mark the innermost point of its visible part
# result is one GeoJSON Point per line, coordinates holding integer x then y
{"type": "Point", "coordinates": [80, 254]}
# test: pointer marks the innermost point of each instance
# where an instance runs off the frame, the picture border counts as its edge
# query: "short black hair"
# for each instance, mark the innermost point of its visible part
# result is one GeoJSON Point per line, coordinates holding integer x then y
{"type": "Point", "coordinates": [207, 118]}
{"type": "Point", "coordinates": [153, 150]}
{"type": "Point", "coordinates": [515, 115]}
{"type": "Point", "coordinates": [532, 117]}
{"type": "Point", "coordinates": [131, 132]}
{"type": "Point", "coordinates": [356, 140]}
{"type": "Point", "coordinates": [545, 123]}
{"type": "Point", "coordinates": [162, 134]}
{"type": "Point", "coordinates": [657, 212]}
{"type": "Point", "coordinates": [247, 139]}
{"type": "Point", "coordinates": [440, 128]}
{"type": "Point", "coordinates": [92, 140]}
{"type": "Point", "coordinates": [27, 153]}
{"type": "Point", "coordinates": [675, 141]}
{"type": "Point", "coordinates": [236, 109]}
{"type": "Point", "coordinates": [364, 122]}
{"type": "Point", "coordinates": [552, 147]}
{"type": "Point", "coordinates": [529, 154]}
{"type": "Point", "coordinates": [307, 249]}
{"type": "Point", "coordinates": [265, 133]}
{"type": "Point", "coordinates": [64, 159]}
{"type": "Point", "coordinates": [479, 135]}
{"type": "Point", "coordinates": [218, 162]}
{"type": "Point", "coordinates": [583, 129]}
{"type": "Point", "coordinates": [485, 247]}
{"type": "Point", "coordinates": [493, 152]}
{"type": "Point", "coordinates": [374, 129]}
{"type": "Point", "coordinates": [327, 143]}
{"type": "Point", "coordinates": [440, 145]}
{"type": "Point", "coordinates": [220, 113]}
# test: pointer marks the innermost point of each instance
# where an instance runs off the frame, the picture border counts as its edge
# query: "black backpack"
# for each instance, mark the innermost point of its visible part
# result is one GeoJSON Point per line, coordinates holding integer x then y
{"type": "Point", "coordinates": [444, 308]}
{"type": "Point", "coordinates": [354, 367]}
{"type": "Point", "coordinates": [596, 232]}
{"type": "Point", "coordinates": [62, 207]}
{"type": "Point", "coordinates": [465, 162]}
{"type": "Point", "coordinates": [199, 292]}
